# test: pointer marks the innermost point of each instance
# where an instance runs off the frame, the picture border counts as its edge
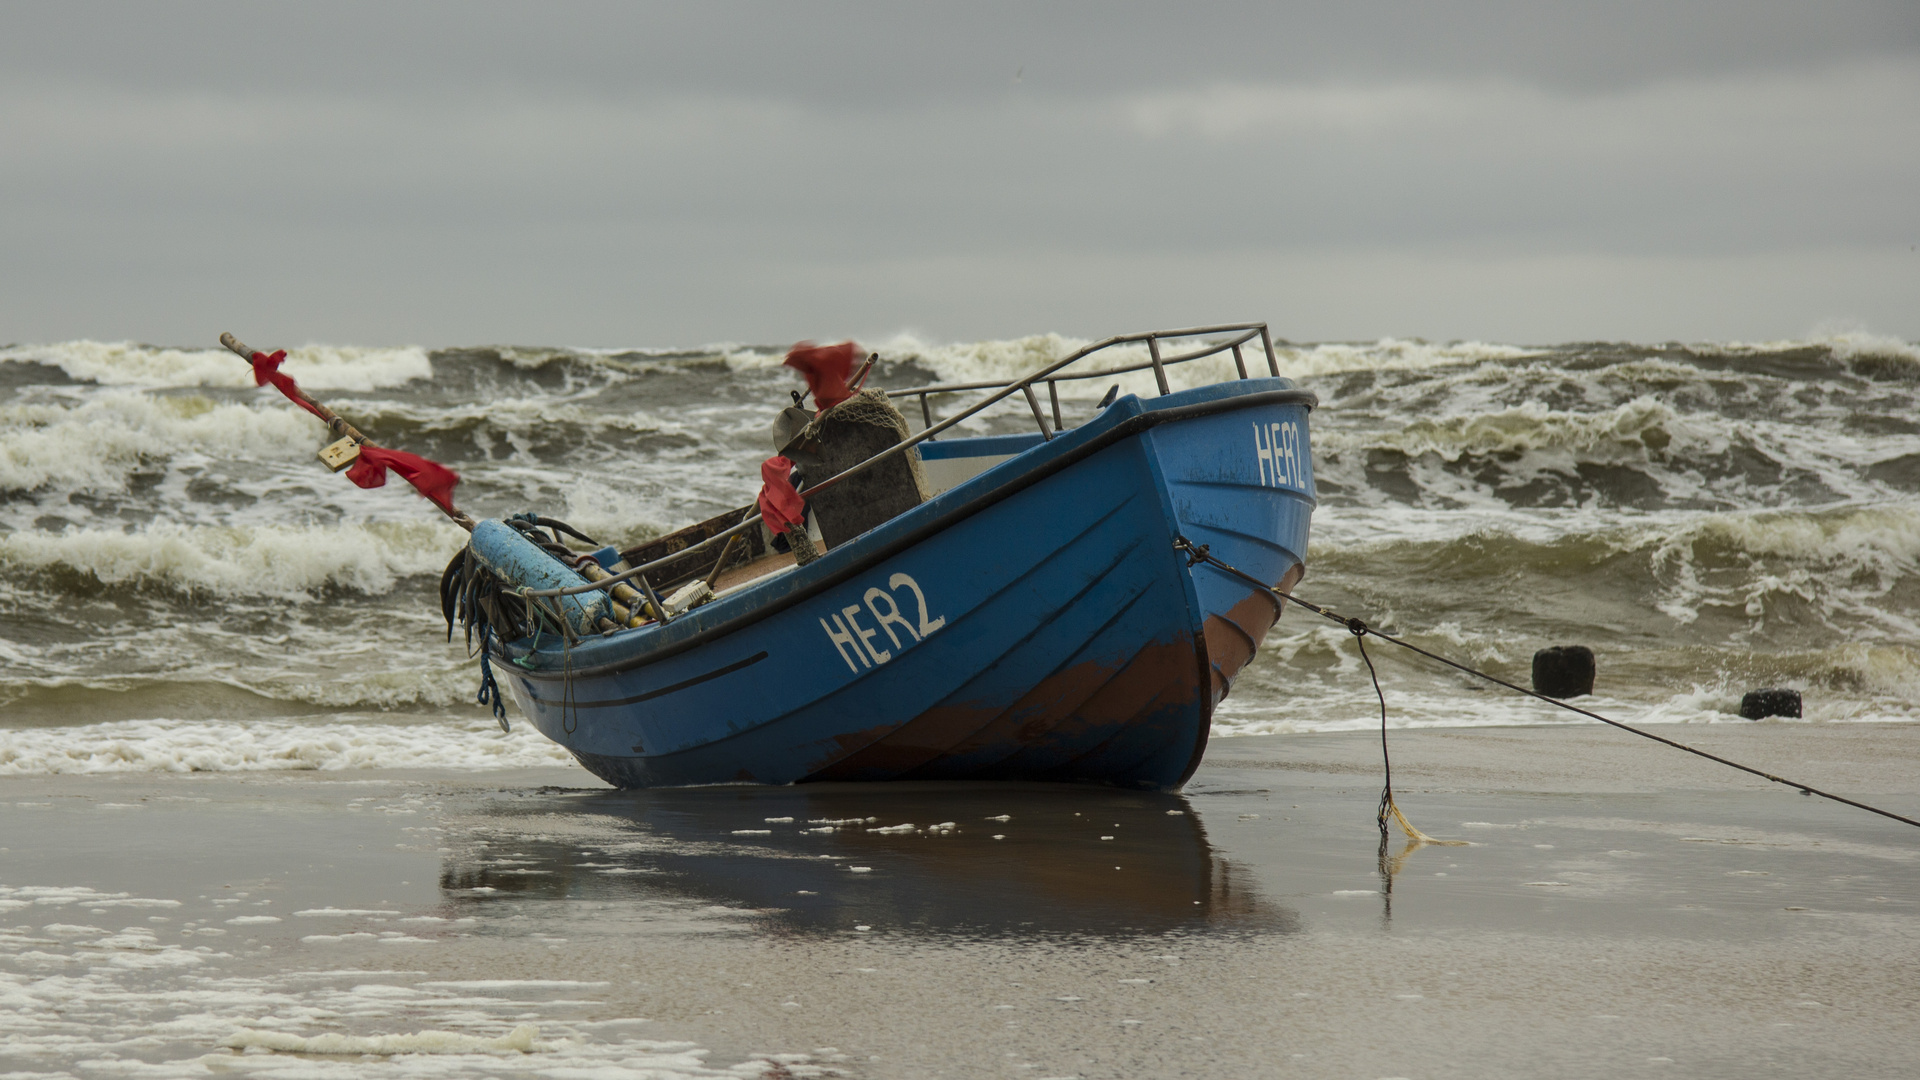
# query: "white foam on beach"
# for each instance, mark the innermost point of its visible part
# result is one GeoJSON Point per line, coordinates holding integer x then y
{"type": "Point", "coordinates": [271, 746]}
{"type": "Point", "coordinates": [523, 1039]}
{"type": "Point", "coordinates": [514, 984]}
{"type": "Point", "coordinates": [79, 1000]}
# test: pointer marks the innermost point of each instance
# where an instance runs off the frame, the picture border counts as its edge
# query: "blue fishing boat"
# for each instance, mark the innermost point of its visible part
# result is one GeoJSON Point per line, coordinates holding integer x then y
{"type": "Point", "coordinates": [1014, 607]}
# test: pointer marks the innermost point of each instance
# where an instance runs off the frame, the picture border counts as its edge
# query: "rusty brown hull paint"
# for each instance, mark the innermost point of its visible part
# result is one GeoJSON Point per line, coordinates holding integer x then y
{"type": "Point", "coordinates": [1069, 706]}
{"type": "Point", "coordinates": [1160, 680]}
{"type": "Point", "coordinates": [1236, 634]}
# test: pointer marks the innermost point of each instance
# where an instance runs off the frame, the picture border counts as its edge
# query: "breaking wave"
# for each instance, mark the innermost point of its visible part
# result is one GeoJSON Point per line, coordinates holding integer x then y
{"type": "Point", "coordinates": [1709, 517]}
{"type": "Point", "coordinates": [1008, 359]}
{"type": "Point", "coordinates": [210, 562]}
{"type": "Point", "coordinates": [98, 444]}
{"type": "Point", "coordinates": [319, 367]}
{"type": "Point", "coordinates": [1757, 576]}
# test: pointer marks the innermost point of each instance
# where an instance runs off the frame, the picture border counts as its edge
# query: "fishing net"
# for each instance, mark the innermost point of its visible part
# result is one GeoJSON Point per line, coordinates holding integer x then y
{"type": "Point", "coordinates": [872, 408]}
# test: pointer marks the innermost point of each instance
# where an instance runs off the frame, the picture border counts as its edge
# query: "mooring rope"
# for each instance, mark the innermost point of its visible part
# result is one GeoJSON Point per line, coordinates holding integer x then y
{"type": "Point", "coordinates": [1198, 553]}
{"type": "Point", "coordinates": [1388, 807]}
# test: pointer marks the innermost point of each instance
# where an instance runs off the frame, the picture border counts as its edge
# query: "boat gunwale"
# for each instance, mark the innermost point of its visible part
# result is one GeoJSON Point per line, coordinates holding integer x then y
{"type": "Point", "coordinates": [1152, 415]}
{"type": "Point", "coordinates": [1025, 383]}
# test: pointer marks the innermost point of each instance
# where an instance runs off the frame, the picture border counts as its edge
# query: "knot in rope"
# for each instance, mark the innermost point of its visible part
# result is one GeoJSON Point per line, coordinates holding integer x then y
{"type": "Point", "coordinates": [1359, 628]}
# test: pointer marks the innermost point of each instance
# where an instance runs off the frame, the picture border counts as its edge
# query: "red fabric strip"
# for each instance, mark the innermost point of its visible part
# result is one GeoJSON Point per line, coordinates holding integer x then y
{"type": "Point", "coordinates": [266, 369]}
{"type": "Point", "coordinates": [431, 478]}
{"type": "Point", "coordinates": [826, 368]}
{"type": "Point", "coordinates": [781, 507]}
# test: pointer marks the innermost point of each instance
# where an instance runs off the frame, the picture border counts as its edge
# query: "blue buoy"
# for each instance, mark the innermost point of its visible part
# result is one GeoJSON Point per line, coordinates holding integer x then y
{"type": "Point", "coordinates": [520, 561]}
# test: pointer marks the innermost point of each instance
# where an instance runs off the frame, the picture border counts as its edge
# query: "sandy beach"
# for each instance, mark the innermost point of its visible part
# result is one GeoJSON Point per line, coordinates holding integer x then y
{"type": "Point", "coordinates": [1621, 910]}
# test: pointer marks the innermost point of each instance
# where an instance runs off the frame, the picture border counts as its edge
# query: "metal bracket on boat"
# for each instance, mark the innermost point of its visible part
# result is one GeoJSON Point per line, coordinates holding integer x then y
{"type": "Point", "coordinates": [660, 611]}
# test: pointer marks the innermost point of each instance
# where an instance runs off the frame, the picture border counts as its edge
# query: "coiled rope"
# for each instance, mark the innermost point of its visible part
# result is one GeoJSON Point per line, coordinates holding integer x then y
{"type": "Point", "coordinates": [1198, 553]}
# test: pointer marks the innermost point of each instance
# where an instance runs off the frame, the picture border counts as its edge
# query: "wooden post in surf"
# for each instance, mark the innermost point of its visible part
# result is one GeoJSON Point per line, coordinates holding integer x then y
{"type": "Point", "coordinates": [339, 428]}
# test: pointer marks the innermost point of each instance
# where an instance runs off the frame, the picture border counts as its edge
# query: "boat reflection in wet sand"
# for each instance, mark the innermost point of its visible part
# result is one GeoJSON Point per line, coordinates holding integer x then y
{"type": "Point", "coordinates": [951, 858]}
{"type": "Point", "coordinates": [1010, 607]}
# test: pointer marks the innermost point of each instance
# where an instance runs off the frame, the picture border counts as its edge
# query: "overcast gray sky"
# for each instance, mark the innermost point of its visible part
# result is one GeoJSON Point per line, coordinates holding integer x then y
{"type": "Point", "coordinates": [636, 174]}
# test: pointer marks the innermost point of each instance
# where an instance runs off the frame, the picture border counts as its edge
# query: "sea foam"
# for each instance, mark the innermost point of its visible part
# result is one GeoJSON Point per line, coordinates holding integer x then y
{"type": "Point", "coordinates": [140, 1001]}
{"type": "Point", "coordinates": [97, 444]}
{"type": "Point", "coordinates": [176, 746]}
{"type": "Point", "coordinates": [316, 367]}
{"type": "Point", "coordinates": [286, 561]}
{"type": "Point", "coordinates": [1705, 515]}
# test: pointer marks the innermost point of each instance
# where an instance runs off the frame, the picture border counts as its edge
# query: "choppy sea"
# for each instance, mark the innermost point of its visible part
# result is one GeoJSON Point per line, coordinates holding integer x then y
{"type": "Point", "coordinates": [184, 587]}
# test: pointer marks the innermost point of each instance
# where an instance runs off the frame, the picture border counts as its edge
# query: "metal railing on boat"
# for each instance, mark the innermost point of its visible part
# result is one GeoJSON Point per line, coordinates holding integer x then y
{"type": "Point", "coordinates": [1246, 332]}
{"type": "Point", "coordinates": [1230, 336]}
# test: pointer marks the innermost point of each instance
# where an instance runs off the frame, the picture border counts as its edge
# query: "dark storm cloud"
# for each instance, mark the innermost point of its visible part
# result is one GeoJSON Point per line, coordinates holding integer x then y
{"type": "Point", "coordinates": [651, 174]}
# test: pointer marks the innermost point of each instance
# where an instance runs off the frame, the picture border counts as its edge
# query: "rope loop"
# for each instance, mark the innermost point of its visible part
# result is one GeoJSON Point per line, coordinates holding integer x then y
{"type": "Point", "coordinates": [489, 688]}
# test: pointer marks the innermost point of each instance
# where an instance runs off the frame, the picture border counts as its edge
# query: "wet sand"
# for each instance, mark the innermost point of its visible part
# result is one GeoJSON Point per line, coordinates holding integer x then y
{"type": "Point", "coordinates": [1622, 910]}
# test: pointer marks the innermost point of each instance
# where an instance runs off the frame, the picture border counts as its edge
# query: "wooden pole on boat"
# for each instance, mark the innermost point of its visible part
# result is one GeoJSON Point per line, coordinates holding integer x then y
{"type": "Point", "coordinates": [339, 428]}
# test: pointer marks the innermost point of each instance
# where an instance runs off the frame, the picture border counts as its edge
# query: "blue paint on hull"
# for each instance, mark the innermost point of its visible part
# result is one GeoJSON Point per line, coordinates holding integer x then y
{"type": "Point", "coordinates": [1032, 623]}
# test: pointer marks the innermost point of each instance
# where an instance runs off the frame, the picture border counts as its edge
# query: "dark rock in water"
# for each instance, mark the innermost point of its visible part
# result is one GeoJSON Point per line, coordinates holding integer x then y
{"type": "Point", "coordinates": [1563, 671]}
{"type": "Point", "coordinates": [1770, 702]}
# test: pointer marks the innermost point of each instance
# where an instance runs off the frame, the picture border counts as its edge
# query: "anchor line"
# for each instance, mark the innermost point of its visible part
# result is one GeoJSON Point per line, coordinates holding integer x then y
{"type": "Point", "coordinates": [1388, 807]}
{"type": "Point", "coordinates": [1198, 553]}
{"type": "Point", "coordinates": [1386, 759]}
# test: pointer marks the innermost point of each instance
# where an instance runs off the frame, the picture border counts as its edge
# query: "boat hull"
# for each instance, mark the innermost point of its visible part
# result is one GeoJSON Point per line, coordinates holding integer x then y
{"type": "Point", "coordinates": [1033, 623]}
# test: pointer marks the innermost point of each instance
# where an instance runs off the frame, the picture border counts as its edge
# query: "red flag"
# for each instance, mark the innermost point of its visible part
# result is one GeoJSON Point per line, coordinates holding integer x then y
{"type": "Point", "coordinates": [781, 507]}
{"type": "Point", "coordinates": [266, 369]}
{"type": "Point", "coordinates": [826, 368]}
{"type": "Point", "coordinates": [433, 479]}
{"type": "Point", "coordinates": [430, 478]}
